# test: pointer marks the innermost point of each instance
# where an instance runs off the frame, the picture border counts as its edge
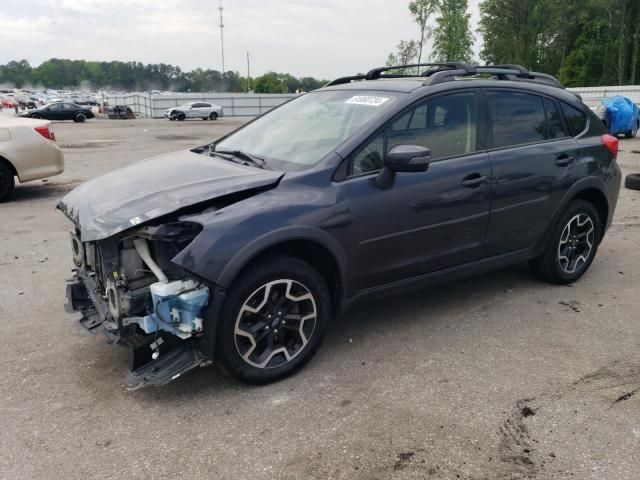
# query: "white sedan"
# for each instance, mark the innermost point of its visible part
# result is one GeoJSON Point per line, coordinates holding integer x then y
{"type": "Point", "coordinates": [28, 151]}
{"type": "Point", "coordinates": [203, 110]}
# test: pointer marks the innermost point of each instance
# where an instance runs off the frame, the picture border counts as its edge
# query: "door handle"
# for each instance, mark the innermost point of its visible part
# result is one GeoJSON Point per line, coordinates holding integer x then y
{"type": "Point", "coordinates": [474, 180]}
{"type": "Point", "coordinates": [565, 160]}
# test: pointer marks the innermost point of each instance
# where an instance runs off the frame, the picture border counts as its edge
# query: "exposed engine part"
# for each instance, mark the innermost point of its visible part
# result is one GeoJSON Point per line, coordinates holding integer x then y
{"type": "Point", "coordinates": [78, 251]}
{"type": "Point", "coordinates": [143, 250]}
{"type": "Point", "coordinates": [176, 308]}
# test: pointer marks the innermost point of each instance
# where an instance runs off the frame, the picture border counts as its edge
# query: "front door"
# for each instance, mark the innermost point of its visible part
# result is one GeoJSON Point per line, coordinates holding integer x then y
{"type": "Point", "coordinates": [425, 221]}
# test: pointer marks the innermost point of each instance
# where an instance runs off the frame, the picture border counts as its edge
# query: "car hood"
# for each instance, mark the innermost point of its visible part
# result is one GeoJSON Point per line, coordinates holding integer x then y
{"type": "Point", "coordinates": [142, 191]}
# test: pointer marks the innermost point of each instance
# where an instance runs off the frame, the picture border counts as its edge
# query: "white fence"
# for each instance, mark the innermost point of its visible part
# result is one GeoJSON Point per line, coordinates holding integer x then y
{"type": "Point", "coordinates": [240, 104]}
{"type": "Point", "coordinates": [595, 94]}
{"type": "Point", "coordinates": [249, 104]}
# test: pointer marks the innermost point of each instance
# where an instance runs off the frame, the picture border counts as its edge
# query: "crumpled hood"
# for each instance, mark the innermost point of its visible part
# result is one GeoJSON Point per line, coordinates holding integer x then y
{"type": "Point", "coordinates": [142, 191]}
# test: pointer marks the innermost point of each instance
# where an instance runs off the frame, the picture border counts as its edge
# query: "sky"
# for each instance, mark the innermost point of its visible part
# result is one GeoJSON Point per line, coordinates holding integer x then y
{"type": "Point", "coordinates": [320, 38]}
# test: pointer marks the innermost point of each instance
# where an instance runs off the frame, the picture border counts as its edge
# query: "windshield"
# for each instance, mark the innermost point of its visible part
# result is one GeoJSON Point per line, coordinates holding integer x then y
{"type": "Point", "coordinates": [302, 132]}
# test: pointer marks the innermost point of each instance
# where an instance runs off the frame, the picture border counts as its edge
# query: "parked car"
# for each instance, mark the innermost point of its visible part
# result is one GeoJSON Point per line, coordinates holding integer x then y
{"type": "Point", "coordinates": [28, 151]}
{"type": "Point", "coordinates": [8, 102]}
{"type": "Point", "coordinates": [60, 111]}
{"type": "Point", "coordinates": [120, 112]}
{"type": "Point", "coordinates": [242, 250]}
{"type": "Point", "coordinates": [619, 115]}
{"type": "Point", "coordinates": [203, 110]}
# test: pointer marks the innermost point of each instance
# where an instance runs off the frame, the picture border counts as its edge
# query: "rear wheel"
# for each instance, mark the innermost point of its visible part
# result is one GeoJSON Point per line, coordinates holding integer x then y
{"type": "Point", "coordinates": [7, 181]}
{"type": "Point", "coordinates": [36, 115]}
{"type": "Point", "coordinates": [213, 116]}
{"type": "Point", "coordinates": [180, 117]}
{"type": "Point", "coordinates": [632, 133]}
{"type": "Point", "coordinates": [80, 118]}
{"type": "Point", "coordinates": [572, 246]}
{"type": "Point", "coordinates": [273, 321]}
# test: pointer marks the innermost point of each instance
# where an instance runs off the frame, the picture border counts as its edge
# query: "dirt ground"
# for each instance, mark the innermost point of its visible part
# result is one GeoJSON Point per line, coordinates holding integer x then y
{"type": "Point", "coordinates": [496, 377]}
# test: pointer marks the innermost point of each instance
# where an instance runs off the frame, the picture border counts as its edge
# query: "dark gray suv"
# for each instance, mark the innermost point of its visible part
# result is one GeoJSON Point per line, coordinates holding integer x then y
{"type": "Point", "coordinates": [242, 251]}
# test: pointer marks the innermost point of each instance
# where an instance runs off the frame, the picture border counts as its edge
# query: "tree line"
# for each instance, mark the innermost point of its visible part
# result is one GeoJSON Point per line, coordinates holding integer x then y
{"type": "Point", "coordinates": [135, 76]}
{"type": "Point", "coordinates": [582, 42]}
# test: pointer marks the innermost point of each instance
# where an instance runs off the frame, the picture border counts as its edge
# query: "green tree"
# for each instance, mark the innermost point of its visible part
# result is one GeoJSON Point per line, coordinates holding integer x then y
{"type": "Point", "coordinates": [421, 10]}
{"type": "Point", "coordinates": [452, 38]}
{"type": "Point", "coordinates": [407, 53]}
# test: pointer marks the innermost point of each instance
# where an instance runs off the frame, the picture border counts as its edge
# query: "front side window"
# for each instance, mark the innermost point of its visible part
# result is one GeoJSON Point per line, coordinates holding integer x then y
{"type": "Point", "coordinates": [517, 118]}
{"type": "Point", "coordinates": [302, 132]}
{"type": "Point", "coordinates": [446, 125]}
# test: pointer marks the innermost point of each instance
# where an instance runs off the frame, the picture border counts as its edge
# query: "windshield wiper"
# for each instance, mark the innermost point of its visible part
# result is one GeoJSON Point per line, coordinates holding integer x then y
{"type": "Point", "coordinates": [247, 157]}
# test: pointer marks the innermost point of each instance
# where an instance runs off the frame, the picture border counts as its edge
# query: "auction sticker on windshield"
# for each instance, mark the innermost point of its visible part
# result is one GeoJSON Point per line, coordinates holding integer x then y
{"type": "Point", "coordinates": [367, 100]}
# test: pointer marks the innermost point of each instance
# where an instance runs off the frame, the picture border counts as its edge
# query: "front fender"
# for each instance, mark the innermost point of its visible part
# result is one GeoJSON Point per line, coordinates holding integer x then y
{"type": "Point", "coordinates": [273, 238]}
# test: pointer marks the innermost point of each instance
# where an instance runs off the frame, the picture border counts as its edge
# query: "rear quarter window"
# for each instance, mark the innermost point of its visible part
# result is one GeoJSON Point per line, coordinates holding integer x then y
{"type": "Point", "coordinates": [577, 119]}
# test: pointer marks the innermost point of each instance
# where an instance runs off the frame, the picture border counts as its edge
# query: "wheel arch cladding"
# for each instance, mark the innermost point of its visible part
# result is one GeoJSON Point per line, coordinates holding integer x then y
{"type": "Point", "coordinates": [599, 201]}
{"type": "Point", "coordinates": [311, 251]}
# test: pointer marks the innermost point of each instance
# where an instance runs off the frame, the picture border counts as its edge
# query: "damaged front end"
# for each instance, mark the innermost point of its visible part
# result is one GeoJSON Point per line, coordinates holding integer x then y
{"type": "Point", "coordinates": [127, 287]}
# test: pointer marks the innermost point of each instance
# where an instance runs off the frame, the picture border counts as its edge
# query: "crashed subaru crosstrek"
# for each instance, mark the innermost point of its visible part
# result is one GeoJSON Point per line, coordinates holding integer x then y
{"type": "Point", "coordinates": [240, 252]}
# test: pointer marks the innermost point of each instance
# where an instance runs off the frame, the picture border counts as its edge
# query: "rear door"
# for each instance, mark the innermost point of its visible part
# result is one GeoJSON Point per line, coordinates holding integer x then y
{"type": "Point", "coordinates": [531, 152]}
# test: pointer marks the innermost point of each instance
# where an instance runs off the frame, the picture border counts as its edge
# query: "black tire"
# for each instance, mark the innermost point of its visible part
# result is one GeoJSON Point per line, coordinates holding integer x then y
{"type": "Point", "coordinates": [250, 285]}
{"type": "Point", "coordinates": [171, 119]}
{"type": "Point", "coordinates": [180, 117]}
{"type": "Point", "coordinates": [36, 115]}
{"type": "Point", "coordinates": [632, 181]}
{"type": "Point", "coordinates": [205, 118]}
{"type": "Point", "coordinates": [80, 118]}
{"type": "Point", "coordinates": [549, 265]}
{"type": "Point", "coordinates": [213, 116]}
{"type": "Point", "coordinates": [7, 181]}
{"type": "Point", "coordinates": [632, 133]}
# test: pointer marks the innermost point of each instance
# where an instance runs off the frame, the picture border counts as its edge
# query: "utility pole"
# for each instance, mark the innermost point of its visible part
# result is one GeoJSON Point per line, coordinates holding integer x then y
{"type": "Point", "coordinates": [248, 74]}
{"type": "Point", "coordinates": [222, 35]}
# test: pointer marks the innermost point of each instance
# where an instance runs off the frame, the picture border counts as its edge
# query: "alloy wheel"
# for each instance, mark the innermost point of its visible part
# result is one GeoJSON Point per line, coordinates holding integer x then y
{"type": "Point", "coordinates": [576, 243]}
{"type": "Point", "coordinates": [275, 323]}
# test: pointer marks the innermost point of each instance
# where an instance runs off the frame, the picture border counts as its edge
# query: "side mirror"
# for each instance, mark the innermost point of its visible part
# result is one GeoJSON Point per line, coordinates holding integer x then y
{"type": "Point", "coordinates": [408, 158]}
{"type": "Point", "coordinates": [403, 158]}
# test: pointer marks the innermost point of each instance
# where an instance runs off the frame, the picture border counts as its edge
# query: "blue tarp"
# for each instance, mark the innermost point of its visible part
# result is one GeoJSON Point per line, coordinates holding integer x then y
{"type": "Point", "coordinates": [623, 114]}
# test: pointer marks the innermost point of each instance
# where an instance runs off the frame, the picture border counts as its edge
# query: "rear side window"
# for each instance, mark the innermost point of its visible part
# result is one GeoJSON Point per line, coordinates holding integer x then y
{"type": "Point", "coordinates": [577, 120]}
{"type": "Point", "coordinates": [555, 122]}
{"type": "Point", "coordinates": [517, 118]}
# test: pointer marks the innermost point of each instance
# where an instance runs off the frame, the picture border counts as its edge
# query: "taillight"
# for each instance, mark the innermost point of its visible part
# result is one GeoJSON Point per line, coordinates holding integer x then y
{"type": "Point", "coordinates": [46, 132]}
{"type": "Point", "coordinates": [611, 143]}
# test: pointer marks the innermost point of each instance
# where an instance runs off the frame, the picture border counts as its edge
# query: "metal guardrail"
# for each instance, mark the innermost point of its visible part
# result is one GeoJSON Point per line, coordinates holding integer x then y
{"type": "Point", "coordinates": [234, 105]}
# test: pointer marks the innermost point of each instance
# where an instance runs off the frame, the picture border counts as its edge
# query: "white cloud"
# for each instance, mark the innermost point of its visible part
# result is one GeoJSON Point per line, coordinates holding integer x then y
{"type": "Point", "coordinates": [323, 38]}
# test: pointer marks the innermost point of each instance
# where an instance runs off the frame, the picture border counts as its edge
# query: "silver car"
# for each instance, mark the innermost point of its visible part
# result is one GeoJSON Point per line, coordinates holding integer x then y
{"type": "Point", "coordinates": [203, 110]}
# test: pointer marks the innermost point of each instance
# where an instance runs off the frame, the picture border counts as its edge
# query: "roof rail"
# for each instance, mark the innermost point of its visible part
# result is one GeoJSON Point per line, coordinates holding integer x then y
{"type": "Point", "coordinates": [448, 71]}
{"type": "Point", "coordinates": [376, 73]}
{"type": "Point", "coordinates": [501, 72]}
{"type": "Point", "coordinates": [343, 80]}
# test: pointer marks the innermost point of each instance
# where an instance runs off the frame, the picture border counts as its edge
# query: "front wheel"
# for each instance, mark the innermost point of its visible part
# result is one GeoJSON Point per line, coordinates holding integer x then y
{"type": "Point", "coordinates": [273, 320]}
{"type": "Point", "coordinates": [36, 115]}
{"type": "Point", "coordinates": [7, 181]}
{"type": "Point", "coordinates": [80, 118]}
{"type": "Point", "coordinates": [572, 245]}
{"type": "Point", "coordinates": [180, 117]}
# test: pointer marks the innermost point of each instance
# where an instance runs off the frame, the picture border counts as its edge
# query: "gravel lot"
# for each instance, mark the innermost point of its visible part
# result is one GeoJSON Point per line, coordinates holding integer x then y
{"type": "Point", "coordinates": [497, 377]}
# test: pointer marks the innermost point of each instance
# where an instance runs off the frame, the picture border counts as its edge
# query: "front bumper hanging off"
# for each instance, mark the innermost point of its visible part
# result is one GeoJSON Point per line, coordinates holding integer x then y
{"type": "Point", "coordinates": [156, 359]}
